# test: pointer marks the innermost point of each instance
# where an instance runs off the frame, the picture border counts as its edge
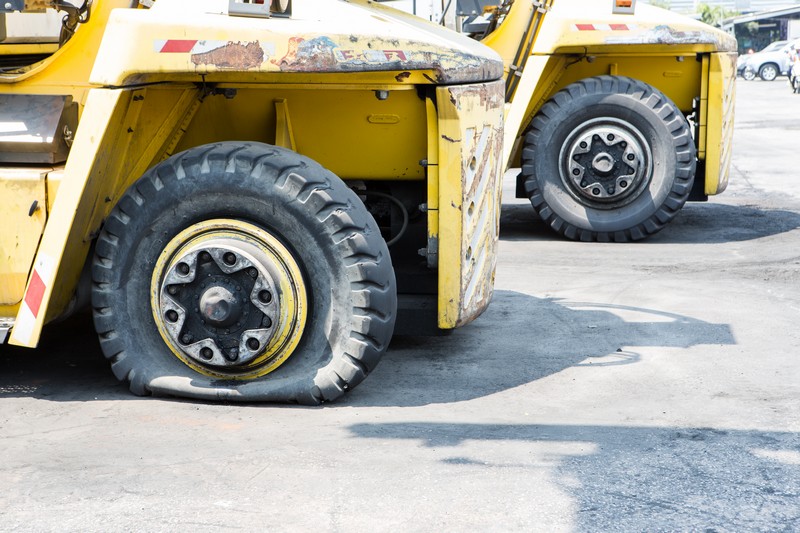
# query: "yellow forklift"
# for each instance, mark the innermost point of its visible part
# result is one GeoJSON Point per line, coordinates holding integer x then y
{"type": "Point", "coordinates": [249, 196]}
{"type": "Point", "coordinates": [616, 113]}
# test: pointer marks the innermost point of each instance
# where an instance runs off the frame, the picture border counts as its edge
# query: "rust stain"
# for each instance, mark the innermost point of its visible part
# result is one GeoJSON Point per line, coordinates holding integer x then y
{"type": "Point", "coordinates": [403, 76]}
{"type": "Point", "coordinates": [450, 139]}
{"type": "Point", "coordinates": [234, 55]}
{"type": "Point", "coordinates": [314, 55]}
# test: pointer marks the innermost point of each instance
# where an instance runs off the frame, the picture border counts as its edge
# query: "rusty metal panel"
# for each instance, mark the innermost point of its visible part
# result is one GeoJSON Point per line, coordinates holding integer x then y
{"type": "Point", "coordinates": [470, 184]}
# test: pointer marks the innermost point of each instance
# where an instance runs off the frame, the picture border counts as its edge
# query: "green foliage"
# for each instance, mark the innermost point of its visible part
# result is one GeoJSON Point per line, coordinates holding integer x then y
{"type": "Point", "coordinates": [714, 15]}
{"type": "Point", "coordinates": [664, 4]}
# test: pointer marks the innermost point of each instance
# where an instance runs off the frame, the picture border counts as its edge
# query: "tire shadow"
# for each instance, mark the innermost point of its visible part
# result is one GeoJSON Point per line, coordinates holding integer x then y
{"type": "Point", "coordinates": [66, 366]}
{"type": "Point", "coordinates": [697, 223]}
{"type": "Point", "coordinates": [521, 339]}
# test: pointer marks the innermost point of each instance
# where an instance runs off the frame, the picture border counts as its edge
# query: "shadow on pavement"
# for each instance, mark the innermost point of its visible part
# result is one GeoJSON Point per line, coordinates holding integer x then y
{"type": "Point", "coordinates": [701, 223]}
{"type": "Point", "coordinates": [67, 366]}
{"type": "Point", "coordinates": [521, 339]}
{"type": "Point", "coordinates": [634, 478]}
{"type": "Point", "coordinates": [539, 336]}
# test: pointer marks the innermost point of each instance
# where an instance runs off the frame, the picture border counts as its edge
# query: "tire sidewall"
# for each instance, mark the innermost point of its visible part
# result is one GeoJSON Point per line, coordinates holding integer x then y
{"type": "Point", "coordinates": [629, 109]}
{"type": "Point", "coordinates": [244, 196]}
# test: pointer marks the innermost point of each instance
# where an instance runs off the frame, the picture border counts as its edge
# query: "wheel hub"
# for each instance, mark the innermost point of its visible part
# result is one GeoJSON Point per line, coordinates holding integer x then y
{"type": "Point", "coordinates": [220, 307]}
{"type": "Point", "coordinates": [605, 163]}
{"type": "Point", "coordinates": [227, 301]}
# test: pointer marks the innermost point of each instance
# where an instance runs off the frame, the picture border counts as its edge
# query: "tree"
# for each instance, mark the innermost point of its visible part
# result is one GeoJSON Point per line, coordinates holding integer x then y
{"type": "Point", "coordinates": [714, 15]}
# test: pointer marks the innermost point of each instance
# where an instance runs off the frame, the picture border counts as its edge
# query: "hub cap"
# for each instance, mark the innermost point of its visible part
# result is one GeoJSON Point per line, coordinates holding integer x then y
{"type": "Point", "coordinates": [229, 299]}
{"type": "Point", "coordinates": [605, 163]}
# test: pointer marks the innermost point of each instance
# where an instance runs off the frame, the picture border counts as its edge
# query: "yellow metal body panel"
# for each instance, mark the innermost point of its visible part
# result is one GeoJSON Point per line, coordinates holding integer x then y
{"type": "Point", "coordinates": [719, 125]}
{"type": "Point", "coordinates": [470, 174]}
{"type": "Point", "coordinates": [119, 137]}
{"type": "Point", "coordinates": [347, 129]}
{"type": "Point", "coordinates": [23, 204]}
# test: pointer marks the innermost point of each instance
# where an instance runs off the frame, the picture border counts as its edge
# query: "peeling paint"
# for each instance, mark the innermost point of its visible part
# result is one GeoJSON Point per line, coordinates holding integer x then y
{"type": "Point", "coordinates": [664, 34]}
{"type": "Point", "coordinates": [232, 55]}
{"type": "Point", "coordinates": [324, 54]}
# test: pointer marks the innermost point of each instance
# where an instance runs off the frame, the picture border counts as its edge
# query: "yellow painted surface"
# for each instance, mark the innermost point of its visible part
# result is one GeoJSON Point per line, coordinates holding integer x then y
{"type": "Point", "coordinates": [21, 230]}
{"type": "Point", "coordinates": [470, 174]}
{"type": "Point", "coordinates": [119, 137]}
{"type": "Point", "coordinates": [719, 143]}
{"type": "Point", "coordinates": [330, 124]}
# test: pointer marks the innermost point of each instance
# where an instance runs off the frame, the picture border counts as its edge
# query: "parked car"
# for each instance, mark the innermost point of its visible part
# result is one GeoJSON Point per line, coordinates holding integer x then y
{"type": "Point", "coordinates": [771, 62]}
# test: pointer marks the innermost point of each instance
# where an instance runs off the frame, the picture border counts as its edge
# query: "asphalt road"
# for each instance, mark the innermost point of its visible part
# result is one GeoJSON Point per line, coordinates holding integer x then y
{"type": "Point", "coordinates": [635, 387]}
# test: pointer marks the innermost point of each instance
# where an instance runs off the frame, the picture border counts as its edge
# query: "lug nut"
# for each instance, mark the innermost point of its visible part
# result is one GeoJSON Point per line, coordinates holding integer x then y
{"type": "Point", "coordinates": [172, 289]}
{"type": "Point", "coordinates": [183, 269]}
{"type": "Point", "coordinates": [186, 338]}
{"type": "Point", "coordinates": [630, 157]}
{"type": "Point", "coordinates": [206, 353]}
{"type": "Point", "coordinates": [266, 322]}
{"type": "Point", "coordinates": [576, 172]}
{"type": "Point", "coordinates": [623, 184]}
{"type": "Point", "coordinates": [253, 344]}
{"type": "Point", "coordinates": [253, 272]}
{"type": "Point", "coordinates": [610, 137]}
{"type": "Point", "coordinates": [205, 256]}
{"type": "Point", "coordinates": [229, 258]}
{"type": "Point", "coordinates": [264, 296]}
{"type": "Point", "coordinates": [232, 354]}
{"type": "Point", "coordinates": [596, 191]}
{"type": "Point", "coordinates": [583, 144]}
{"type": "Point", "coordinates": [172, 315]}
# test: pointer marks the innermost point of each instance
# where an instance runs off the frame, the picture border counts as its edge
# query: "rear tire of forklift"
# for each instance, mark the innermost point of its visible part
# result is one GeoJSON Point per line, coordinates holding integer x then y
{"type": "Point", "coordinates": [242, 272]}
{"type": "Point", "coordinates": [608, 159]}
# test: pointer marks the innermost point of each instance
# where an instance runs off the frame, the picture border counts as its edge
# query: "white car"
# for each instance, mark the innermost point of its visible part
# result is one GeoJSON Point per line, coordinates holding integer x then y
{"type": "Point", "coordinates": [771, 62]}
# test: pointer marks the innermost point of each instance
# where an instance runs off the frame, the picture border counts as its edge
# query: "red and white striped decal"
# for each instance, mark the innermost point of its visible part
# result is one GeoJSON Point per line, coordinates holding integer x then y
{"type": "Point", "coordinates": [174, 46]}
{"type": "Point", "coordinates": [31, 306]}
{"type": "Point", "coordinates": [604, 27]}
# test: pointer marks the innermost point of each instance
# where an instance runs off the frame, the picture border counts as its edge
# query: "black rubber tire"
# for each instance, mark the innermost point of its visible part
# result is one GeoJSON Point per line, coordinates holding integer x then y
{"type": "Point", "coordinates": [347, 271]}
{"type": "Point", "coordinates": [768, 72]}
{"type": "Point", "coordinates": [664, 129]}
{"type": "Point", "coordinates": [749, 75]}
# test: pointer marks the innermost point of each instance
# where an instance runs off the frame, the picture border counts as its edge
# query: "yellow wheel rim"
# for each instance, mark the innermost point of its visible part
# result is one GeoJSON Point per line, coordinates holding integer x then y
{"type": "Point", "coordinates": [229, 299]}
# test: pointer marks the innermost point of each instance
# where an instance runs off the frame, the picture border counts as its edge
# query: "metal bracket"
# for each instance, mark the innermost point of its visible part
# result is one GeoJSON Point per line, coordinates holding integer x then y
{"type": "Point", "coordinates": [5, 326]}
{"type": "Point", "coordinates": [239, 8]}
{"type": "Point", "coordinates": [541, 7]}
{"type": "Point", "coordinates": [8, 6]}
